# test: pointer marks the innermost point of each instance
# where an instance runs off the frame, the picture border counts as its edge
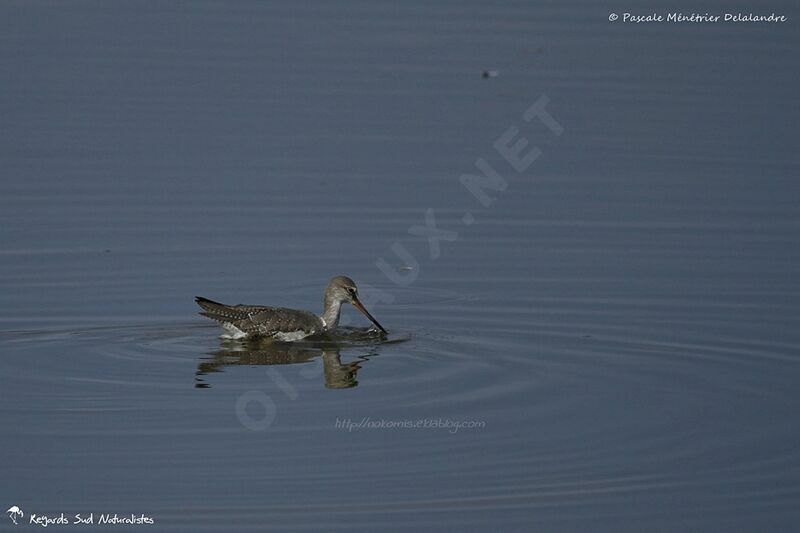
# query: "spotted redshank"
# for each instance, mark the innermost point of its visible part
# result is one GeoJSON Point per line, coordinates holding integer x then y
{"type": "Point", "coordinates": [280, 323]}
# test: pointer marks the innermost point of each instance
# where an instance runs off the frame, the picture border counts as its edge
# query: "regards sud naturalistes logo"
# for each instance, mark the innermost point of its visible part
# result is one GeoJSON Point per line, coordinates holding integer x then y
{"type": "Point", "coordinates": [18, 516]}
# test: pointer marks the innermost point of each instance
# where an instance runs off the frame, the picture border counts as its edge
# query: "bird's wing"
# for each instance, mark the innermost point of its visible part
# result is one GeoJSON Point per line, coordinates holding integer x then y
{"type": "Point", "coordinates": [258, 319]}
{"type": "Point", "coordinates": [229, 313]}
{"type": "Point", "coordinates": [272, 320]}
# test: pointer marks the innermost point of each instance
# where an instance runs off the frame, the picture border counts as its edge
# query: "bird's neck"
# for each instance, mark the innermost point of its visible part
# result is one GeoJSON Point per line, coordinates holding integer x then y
{"type": "Point", "coordinates": [330, 315]}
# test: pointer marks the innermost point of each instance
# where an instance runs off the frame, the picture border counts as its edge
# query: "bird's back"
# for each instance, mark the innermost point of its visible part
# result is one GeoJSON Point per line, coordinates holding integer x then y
{"type": "Point", "coordinates": [280, 323]}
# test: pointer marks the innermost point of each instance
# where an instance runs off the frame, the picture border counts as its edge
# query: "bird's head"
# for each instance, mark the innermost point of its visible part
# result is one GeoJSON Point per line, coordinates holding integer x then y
{"type": "Point", "coordinates": [343, 289]}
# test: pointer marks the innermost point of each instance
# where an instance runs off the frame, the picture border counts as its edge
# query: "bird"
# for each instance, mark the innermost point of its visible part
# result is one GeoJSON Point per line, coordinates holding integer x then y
{"type": "Point", "coordinates": [283, 324]}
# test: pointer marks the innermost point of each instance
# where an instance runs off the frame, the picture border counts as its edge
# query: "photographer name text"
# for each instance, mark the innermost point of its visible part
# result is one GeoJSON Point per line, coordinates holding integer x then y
{"type": "Point", "coordinates": [678, 17]}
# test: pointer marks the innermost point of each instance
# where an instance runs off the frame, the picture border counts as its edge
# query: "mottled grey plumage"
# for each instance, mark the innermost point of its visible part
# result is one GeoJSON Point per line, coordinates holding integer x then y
{"type": "Point", "coordinates": [280, 323]}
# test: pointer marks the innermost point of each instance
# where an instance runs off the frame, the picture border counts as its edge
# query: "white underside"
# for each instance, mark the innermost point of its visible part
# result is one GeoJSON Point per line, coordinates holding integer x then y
{"type": "Point", "coordinates": [234, 333]}
{"type": "Point", "coordinates": [289, 336]}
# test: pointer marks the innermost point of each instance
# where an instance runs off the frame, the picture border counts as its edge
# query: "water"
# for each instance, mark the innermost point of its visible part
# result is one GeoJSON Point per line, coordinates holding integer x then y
{"type": "Point", "coordinates": [616, 334]}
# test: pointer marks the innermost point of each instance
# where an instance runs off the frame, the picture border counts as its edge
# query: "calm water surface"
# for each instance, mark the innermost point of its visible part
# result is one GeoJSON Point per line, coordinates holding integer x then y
{"type": "Point", "coordinates": [618, 331]}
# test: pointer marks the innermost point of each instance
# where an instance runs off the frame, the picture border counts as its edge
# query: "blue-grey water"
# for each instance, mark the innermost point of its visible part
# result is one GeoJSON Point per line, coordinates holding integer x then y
{"type": "Point", "coordinates": [614, 325]}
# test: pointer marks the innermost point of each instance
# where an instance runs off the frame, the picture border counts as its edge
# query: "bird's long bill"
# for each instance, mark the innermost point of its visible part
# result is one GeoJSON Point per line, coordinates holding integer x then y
{"type": "Point", "coordinates": [358, 305]}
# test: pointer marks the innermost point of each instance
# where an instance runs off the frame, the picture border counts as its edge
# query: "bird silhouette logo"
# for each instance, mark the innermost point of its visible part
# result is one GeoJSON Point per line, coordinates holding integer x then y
{"type": "Point", "coordinates": [15, 512]}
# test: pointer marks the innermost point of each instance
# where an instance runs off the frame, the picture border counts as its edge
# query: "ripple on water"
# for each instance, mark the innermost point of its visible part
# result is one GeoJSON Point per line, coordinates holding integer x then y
{"type": "Point", "coordinates": [609, 405]}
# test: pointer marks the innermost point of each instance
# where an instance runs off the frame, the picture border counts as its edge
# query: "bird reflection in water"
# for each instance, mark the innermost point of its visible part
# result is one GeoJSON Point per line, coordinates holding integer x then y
{"type": "Point", "coordinates": [337, 375]}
